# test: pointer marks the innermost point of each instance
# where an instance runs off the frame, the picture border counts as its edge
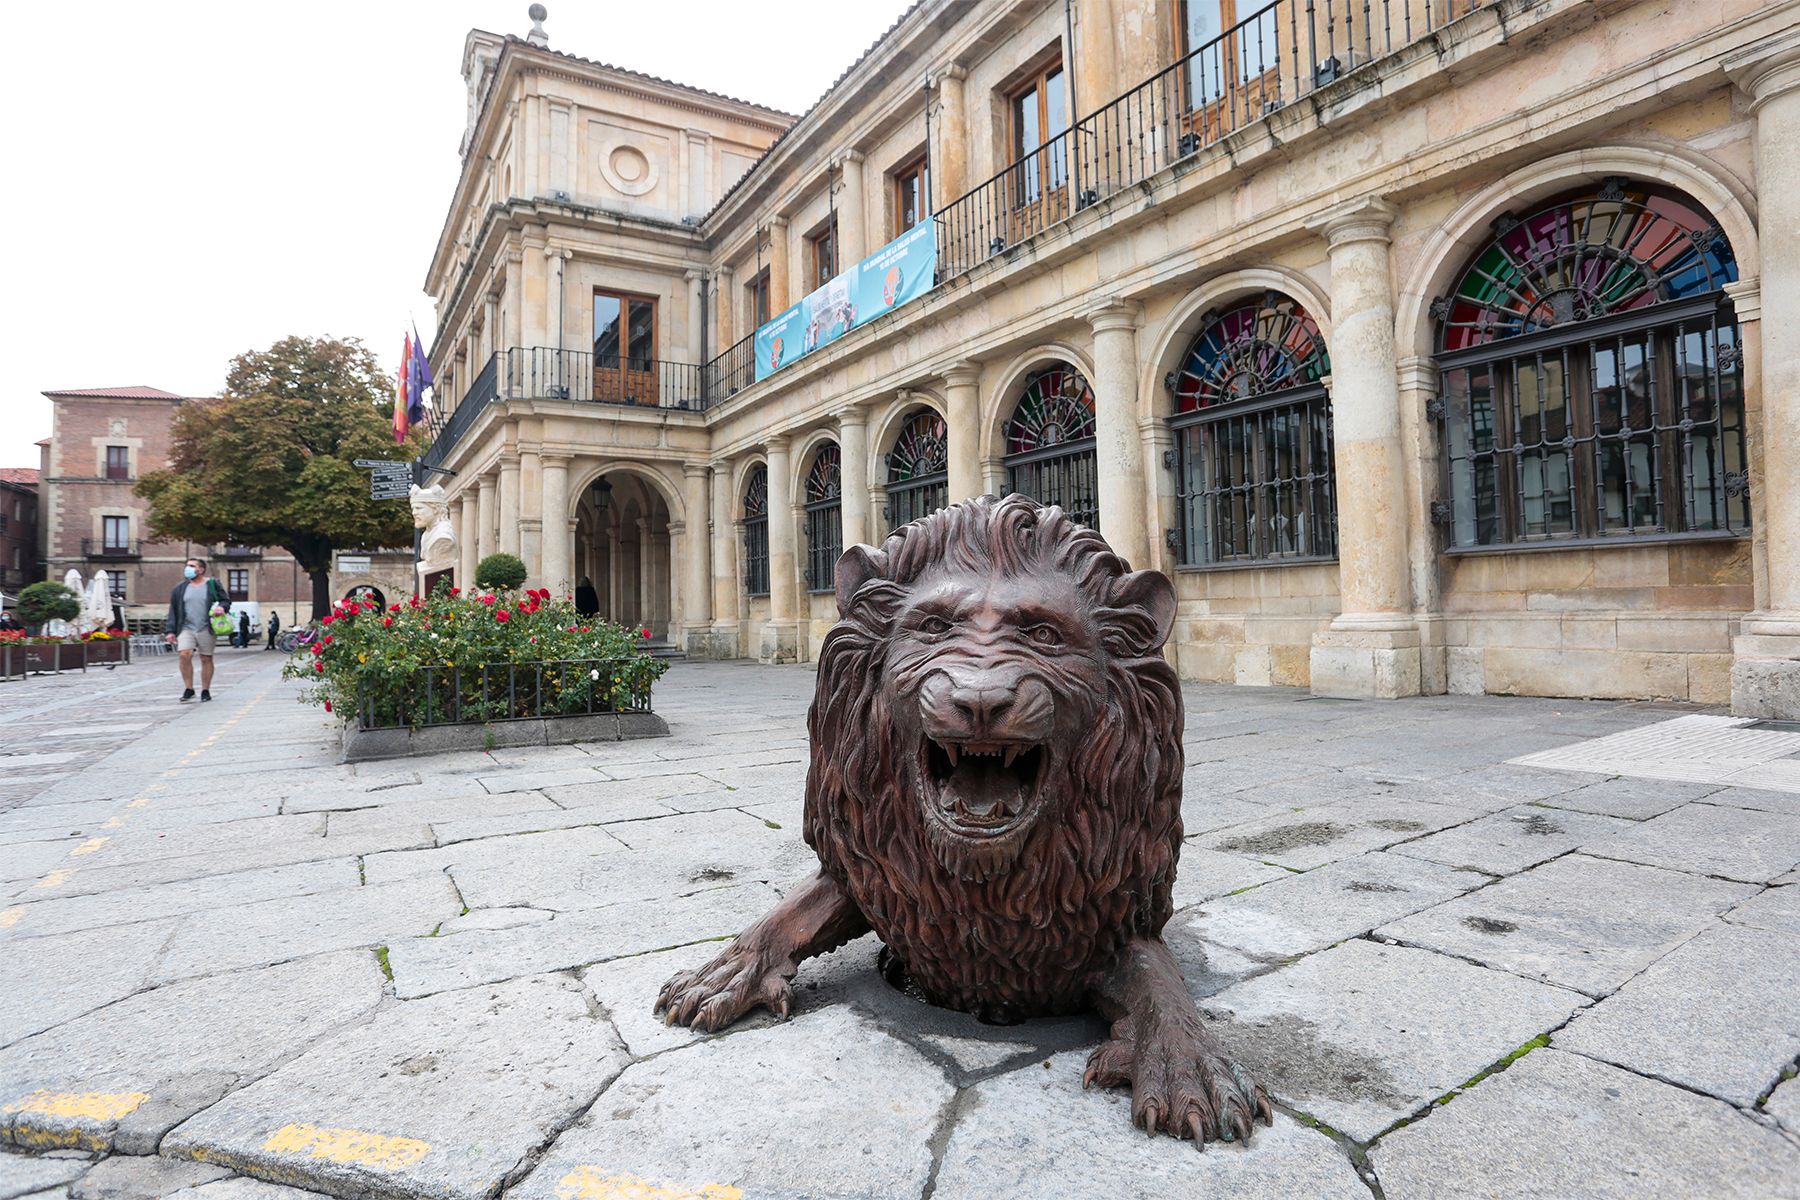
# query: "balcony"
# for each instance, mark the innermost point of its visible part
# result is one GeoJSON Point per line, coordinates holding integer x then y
{"type": "Point", "coordinates": [119, 551]}
{"type": "Point", "coordinates": [237, 553]}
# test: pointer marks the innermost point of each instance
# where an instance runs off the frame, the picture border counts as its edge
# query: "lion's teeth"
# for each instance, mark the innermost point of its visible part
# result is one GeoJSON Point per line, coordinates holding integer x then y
{"type": "Point", "coordinates": [951, 751]}
{"type": "Point", "coordinates": [1012, 752]}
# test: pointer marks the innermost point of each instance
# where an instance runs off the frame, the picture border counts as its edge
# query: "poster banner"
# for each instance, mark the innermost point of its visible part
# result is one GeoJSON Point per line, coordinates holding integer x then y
{"type": "Point", "coordinates": [899, 271]}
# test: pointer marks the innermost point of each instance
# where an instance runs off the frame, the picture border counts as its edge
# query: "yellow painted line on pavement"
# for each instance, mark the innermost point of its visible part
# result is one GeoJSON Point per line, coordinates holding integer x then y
{"type": "Point", "coordinates": [89, 846]}
{"type": "Point", "coordinates": [10, 916]}
{"type": "Point", "coordinates": [139, 802]}
{"type": "Point", "coordinates": [113, 823]}
{"type": "Point", "coordinates": [354, 1146]}
{"type": "Point", "coordinates": [95, 1106]}
{"type": "Point", "coordinates": [60, 875]}
{"type": "Point", "coordinates": [590, 1183]}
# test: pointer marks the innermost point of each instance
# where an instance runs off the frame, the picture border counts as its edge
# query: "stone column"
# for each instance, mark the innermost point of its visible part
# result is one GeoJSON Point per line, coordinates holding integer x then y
{"type": "Point", "coordinates": [1765, 673]}
{"type": "Point", "coordinates": [950, 151]}
{"type": "Point", "coordinates": [779, 289]}
{"type": "Point", "coordinates": [853, 447]}
{"type": "Point", "coordinates": [723, 329]}
{"type": "Point", "coordinates": [696, 281]}
{"type": "Point", "coordinates": [724, 567]}
{"type": "Point", "coordinates": [646, 605]}
{"type": "Point", "coordinates": [484, 519]}
{"type": "Point", "coordinates": [852, 212]}
{"type": "Point", "coordinates": [1118, 448]}
{"type": "Point", "coordinates": [696, 593]}
{"type": "Point", "coordinates": [615, 573]}
{"type": "Point", "coordinates": [509, 504]}
{"type": "Point", "coordinates": [469, 520]}
{"type": "Point", "coordinates": [557, 544]}
{"type": "Point", "coordinates": [963, 398]}
{"type": "Point", "coordinates": [1372, 647]}
{"type": "Point", "coordinates": [779, 634]}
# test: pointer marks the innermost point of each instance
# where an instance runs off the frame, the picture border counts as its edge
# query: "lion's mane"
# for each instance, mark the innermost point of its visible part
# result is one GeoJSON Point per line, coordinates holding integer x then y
{"type": "Point", "coordinates": [1030, 940]}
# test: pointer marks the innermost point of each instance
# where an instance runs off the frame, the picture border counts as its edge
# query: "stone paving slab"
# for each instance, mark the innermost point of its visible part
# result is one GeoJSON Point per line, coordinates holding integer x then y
{"type": "Point", "coordinates": [1554, 1126]}
{"type": "Point", "coordinates": [141, 1178]}
{"type": "Point", "coordinates": [1718, 1015]}
{"type": "Point", "coordinates": [1326, 833]}
{"type": "Point", "coordinates": [1514, 839]}
{"type": "Point", "coordinates": [423, 966]}
{"type": "Point", "coordinates": [1362, 1035]}
{"type": "Point", "coordinates": [45, 981]}
{"type": "Point", "coordinates": [1307, 912]}
{"type": "Point", "coordinates": [1784, 1105]}
{"type": "Point", "coordinates": [443, 1097]}
{"type": "Point", "coordinates": [22, 1176]}
{"type": "Point", "coordinates": [1777, 908]}
{"type": "Point", "coordinates": [240, 1187]}
{"type": "Point", "coordinates": [1634, 799]}
{"type": "Point", "coordinates": [624, 793]}
{"type": "Point", "coordinates": [1581, 922]}
{"type": "Point", "coordinates": [1203, 874]}
{"type": "Point", "coordinates": [1733, 843]}
{"type": "Point", "coordinates": [1035, 1132]}
{"type": "Point", "coordinates": [753, 1111]}
{"type": "Point", "coordinates": [121, 1077]}
{"type": "Point", "coordinates": [533, 855]}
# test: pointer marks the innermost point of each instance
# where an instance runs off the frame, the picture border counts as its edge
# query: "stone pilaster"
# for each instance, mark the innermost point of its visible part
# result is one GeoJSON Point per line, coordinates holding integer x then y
{"type": "Point", "coordinates": [1765, 674]}
{"type": "Point", "coordinates": [1118, 446]}
{"type": "Point", "coordinates": [696, 592]}
{"type": "Point", "coordinates": [646, 603]}
{"type": "Point", "coordinates": [727, 586]}
{"type": "Point", "coordinates": [780, 285]}
{"type": "Point", "coordinates": [469, 520]}
{"type": "Point", "coordinates": [780, 633]}
{"type": "Point", "coordinates": [696, 281]}
{"type": "Point", "coordinates": [853, 446]}
{"type": "Point", "coordinates": [962, 396]}
{"type": "Point", "coordinates": [509, 504]}
{"type": "Point", "coordinates": [1372, 647]}
{"type": "Point", "coordinates": [484, 519]}
{"type": "Point", "coordinates": [950, 139]}
{"type": "Point", "coordinates": [852, 211]}
{"type": "Point", "coordinates": [558, 544]}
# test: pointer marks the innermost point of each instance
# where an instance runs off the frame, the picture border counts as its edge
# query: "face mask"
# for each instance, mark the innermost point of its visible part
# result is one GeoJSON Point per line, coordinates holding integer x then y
{"type": "Point", "coordinates": [189, 572]}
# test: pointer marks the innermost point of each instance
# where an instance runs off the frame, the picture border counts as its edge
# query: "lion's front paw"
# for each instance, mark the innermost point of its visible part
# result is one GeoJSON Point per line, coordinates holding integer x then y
{"type": "Point", "coordinates": [1181, 1085]}
{"type": "Point", "coordinates": [726, 988]}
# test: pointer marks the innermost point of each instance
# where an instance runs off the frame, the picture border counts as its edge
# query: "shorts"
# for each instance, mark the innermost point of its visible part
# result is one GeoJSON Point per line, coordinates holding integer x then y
{"type": "Point", "coordinates": [200, 641]}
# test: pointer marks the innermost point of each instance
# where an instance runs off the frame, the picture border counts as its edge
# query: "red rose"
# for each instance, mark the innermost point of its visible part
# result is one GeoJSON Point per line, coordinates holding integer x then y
{"type": "Point", "coordinates": [415, 602]}
{"type": "Point", "coordinates": [386, 621]}
{"type": "Point", "coordinates": [319, 667]}
{"type": "Point", "coordinates": [396, 607]}
{"type": "Point", "coordinates": [317, 649]}
{"type": "Point", "coordinates": [456, 591]}
{"type": "Point", "coordinates": [645, 632]}
{"type": "Point", "coordinates": [328, 639]}
{"type": "Point", "coordinates": [327, 619]}
{"type": "Point", "coordinates": [502, 616]}
{"type": "Point", "coordinates": [328, 706]}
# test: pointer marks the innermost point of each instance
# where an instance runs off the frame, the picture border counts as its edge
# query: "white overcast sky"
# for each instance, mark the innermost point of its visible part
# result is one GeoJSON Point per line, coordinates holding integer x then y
{"type": "Point", "coordinates": [195, 180]}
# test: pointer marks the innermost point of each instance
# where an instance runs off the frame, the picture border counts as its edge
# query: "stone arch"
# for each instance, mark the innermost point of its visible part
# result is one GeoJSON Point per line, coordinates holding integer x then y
{"type": "Point", "coordinates": [740, 479]}
{"type": "Point", "coordinates": [884, 426]}
{"type": "Point", "coordinates": [580, 480]}
{"type": "Point", "coordinates": [806, 445]}
{"type": "Point", "coordinates": [1447, 251]}
{"type": "Point", "coordinates": [1171, 339]}
{"type": "Point", "coordinates": [998, 408]}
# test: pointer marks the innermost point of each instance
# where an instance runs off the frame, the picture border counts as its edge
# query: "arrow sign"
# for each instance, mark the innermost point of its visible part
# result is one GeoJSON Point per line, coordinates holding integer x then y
{"type": "Point", "coordinates": [382, 462]}
{"type": "Point", "coordinates": [391, 476]}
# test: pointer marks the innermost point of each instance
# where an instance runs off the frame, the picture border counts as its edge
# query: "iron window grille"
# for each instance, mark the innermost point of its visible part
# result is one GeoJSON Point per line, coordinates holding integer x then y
{"type": "Point", "coordinates": [824, 518]}
{"type": "Point", "coordinates": [918, 469]}
{"type": "Point", "coordinates": [756, 533]}
{"type": "Point", "coordinates": [1591, 385]}
{"type": "Point", "coordinates": [1050, 444]}
{"type": "Point", "coordinates": [1253, 452]}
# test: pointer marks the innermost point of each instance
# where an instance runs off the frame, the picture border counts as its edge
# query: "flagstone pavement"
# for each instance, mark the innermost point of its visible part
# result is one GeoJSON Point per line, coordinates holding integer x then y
{"type": "Point", "coordinates": [232, 969]}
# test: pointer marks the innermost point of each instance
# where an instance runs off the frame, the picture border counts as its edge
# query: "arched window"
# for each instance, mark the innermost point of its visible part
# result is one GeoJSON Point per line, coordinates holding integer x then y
{"type": "Point", "coordinates": [1591, 383]}
{"type": "Point", "coordinates": [1252, 431]}
{"type": "Point", "coordinates": [756, 532]}
{"type": "Point", "coordinates": [918, 468]}
{"type": "Point", "coordinates": [824, 517]}
{"type": "Point", "coordinates": [1050, 444]}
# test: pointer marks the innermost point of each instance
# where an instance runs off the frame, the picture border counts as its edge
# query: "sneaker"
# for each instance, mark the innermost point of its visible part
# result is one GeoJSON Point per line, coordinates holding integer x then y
{"type": "Point", "coordinates": [187, 695]}
{"type": "Point", "coordinates": [205, 694]}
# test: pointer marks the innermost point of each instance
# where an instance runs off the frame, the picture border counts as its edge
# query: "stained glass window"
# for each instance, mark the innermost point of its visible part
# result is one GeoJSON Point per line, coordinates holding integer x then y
{"type": "Point", "coordinates": [1592, 385]}
{"type": "Point", "coordinates": [1050, 444]}
{"type": "Point", "coordinates": [918, 468]}
{"type": "Point", "coordinates": [756, 533]}
{"type": "Point", "coordinates": [1252, 432]}
{"type": "Point", "coordinates": [824, 517]}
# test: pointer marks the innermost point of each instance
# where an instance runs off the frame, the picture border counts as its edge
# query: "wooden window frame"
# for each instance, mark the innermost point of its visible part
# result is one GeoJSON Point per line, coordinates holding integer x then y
{"type": "Point", "coordinates": [756, 300]}
{"type": "Point", "coordinates": [124, 468]}
{"type": "Point", "coordinates": [917, 167]}
{"type": "Point", "coordinates": [1237, 99]}
{"type": "Point", "coordinates": [236, 593]}
{"type": "Point", "coordinates": [816, 244]}
{"type": "Point", "coordinates": [1038, 183]}
{"type": "Point", "coordinates": [619, 383]}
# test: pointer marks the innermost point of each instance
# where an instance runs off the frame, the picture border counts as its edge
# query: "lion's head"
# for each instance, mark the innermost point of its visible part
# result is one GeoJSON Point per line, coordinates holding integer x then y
{"type": "Point", "coordinates": [994, 685]}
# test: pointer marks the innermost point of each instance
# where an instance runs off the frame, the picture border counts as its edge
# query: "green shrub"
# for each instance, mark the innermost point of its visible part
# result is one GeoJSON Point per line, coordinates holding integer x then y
{"type": "Point", "coordinates": [48, 601]}
{"type": "Point", "coordinates": [500, 571]}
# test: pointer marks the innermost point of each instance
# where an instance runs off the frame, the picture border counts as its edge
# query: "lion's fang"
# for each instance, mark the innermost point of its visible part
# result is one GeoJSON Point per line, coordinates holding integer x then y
{"type": "Point", "coordinates": [1012, 752]}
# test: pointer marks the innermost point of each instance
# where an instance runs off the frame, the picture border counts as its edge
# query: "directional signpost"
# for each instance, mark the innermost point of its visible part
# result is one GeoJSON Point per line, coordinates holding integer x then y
{"type": "Point", "coordinates": [388, 478]}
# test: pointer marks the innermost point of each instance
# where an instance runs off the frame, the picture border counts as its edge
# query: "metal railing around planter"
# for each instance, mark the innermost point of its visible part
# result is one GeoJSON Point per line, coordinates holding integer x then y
{"type": "Point", "coordinates": [501, 692]}
{"type": "Point", "coordinates": [1273, 57]}
{"type": "Point", "coordinates": [543, 372]}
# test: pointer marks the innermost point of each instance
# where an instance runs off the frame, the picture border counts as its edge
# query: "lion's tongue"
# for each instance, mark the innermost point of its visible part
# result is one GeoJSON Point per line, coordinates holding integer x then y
{"type": "Point", "coordinates": [984, 789]}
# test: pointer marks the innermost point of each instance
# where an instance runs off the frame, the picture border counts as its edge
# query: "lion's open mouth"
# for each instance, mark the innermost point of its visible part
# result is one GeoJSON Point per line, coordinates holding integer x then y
{"type": "Point", "coordinates": [982, 789]}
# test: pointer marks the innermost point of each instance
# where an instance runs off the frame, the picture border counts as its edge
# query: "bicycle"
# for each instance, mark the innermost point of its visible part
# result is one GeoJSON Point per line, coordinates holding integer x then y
{"type": "Point", "coordinates": [297, 639]}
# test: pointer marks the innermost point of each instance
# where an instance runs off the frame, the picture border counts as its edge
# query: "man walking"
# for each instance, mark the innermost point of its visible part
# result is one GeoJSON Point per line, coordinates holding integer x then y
{"type": "Point", "coordinates": [274, 627]}
{"type": "Point", "coordinates": [244, 630]}
{"type": "Point", "coordinates": [189, 625]}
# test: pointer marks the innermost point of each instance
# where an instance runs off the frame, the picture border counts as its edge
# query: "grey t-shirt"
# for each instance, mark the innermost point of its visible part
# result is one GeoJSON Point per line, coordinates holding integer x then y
{"type": "Point", "coordinates": [194, 614]}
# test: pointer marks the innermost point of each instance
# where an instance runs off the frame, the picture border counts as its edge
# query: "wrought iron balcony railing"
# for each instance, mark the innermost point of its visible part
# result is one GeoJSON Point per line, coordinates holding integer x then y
{"type": "Point", "coordinates": [101, 548]}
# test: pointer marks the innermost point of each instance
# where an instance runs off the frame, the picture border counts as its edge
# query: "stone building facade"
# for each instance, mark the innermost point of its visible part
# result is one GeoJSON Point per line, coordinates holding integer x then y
{"type": "Point", "coordinates": [1420, 341]}
{"type": "Point", "coordinates": [102, 441]}
{"type": "Point", "coordinates": [21, 562]}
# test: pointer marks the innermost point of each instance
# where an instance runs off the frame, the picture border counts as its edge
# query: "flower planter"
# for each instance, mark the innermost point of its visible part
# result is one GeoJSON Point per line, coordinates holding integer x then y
{"type": "Point", "coordinates": [38, 658]}
{"type": "Point", "coordinates": [112, 650]}
{"type": "Point", "coordinates": [360, 744]}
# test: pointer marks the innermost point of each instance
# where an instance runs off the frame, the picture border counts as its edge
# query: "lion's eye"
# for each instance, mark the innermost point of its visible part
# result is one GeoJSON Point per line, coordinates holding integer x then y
{"type": "Point", "coordinates": [934, 626]}
{"type": "Point", "coordinates": [1044, 635]}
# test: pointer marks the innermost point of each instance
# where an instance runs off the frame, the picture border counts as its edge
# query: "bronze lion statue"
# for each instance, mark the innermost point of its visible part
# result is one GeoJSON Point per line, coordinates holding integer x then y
{"type": "Point", "coordinates": [995, 790]}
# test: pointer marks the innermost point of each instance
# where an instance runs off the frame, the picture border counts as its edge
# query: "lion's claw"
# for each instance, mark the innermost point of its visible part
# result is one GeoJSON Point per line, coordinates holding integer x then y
{"type": "Point", "coordinates": [713, 996]}
{"type": "Point", "coordinates": [1181, 1086]}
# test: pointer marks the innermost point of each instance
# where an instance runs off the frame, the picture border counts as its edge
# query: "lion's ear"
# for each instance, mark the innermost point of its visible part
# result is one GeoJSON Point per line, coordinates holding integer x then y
{"type": "Point", "coordinates": [1146, 601]}
{"type": "Point", "coordinates": [857, 566]}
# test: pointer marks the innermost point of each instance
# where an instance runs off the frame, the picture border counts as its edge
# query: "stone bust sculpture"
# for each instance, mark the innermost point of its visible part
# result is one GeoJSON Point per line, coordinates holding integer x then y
{"type": "Point", "coordinates": [995, 790]}
{"type": "Point", "coordinates": [437, 545]}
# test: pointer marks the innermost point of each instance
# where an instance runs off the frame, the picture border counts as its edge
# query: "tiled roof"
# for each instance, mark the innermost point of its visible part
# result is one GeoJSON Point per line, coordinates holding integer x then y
{"type": "Point", "coordinates": [686, 87]}
{"type": "Point", "coordinates": [25, 475]}
{"type": "Point", "coordinates": [134, 392]}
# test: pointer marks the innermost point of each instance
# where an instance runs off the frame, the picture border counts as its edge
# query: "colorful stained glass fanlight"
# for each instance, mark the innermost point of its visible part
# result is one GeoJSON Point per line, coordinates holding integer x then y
{"type": "Point", "coordinates": [1613, 249]}
{"type": "Point", "coordinates": [825, 481]}
{"type": "Point", "coordinates": [923, 448]}
{"type": "Point", "coordinates": [1056, 408]}
{"type": "Point", "coordinates": [1255, 349]}
{"type": "Point", "coordinates": [756, 494]}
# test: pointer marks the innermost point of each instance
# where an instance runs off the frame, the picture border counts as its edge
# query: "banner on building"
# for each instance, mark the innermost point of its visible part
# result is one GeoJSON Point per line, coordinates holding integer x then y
{"type": "Point", "coordinates": [900, 271]}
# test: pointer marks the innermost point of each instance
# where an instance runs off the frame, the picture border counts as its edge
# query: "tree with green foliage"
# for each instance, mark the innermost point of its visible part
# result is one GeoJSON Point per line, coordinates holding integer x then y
{"type": "Point", "coordinates": [271, 462]}
{"type": "Point", "coordinates": [48, 601]}
{"type": "Point", "coordinates": [500, 571]}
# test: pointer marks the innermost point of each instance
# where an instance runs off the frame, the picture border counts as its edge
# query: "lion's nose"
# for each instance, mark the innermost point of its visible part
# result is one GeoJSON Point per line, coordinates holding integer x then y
{"type": "Point", "coordinates": [984, 708]}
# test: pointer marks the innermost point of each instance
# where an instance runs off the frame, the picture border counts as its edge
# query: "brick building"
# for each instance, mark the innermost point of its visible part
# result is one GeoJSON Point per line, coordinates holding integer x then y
{"type": "Point", "coordinates": [20, 561]}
